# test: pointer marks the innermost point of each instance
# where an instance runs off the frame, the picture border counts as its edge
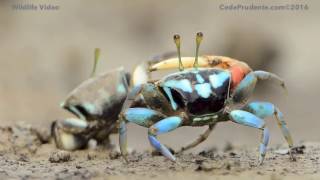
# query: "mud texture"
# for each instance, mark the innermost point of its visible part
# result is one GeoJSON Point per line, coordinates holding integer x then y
{"type": "Point", "coordinates": [27, 153]}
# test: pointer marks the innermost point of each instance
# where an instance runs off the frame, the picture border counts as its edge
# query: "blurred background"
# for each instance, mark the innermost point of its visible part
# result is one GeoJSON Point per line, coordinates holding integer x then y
{"type": "Point", "coordinates": [45, 54]}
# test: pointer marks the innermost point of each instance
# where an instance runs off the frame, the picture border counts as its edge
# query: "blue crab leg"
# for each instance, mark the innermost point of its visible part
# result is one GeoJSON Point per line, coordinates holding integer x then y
{"type": "Point", "coordinates": [199, 140]}
{"type": "Point", "coordinates": [247, 85]}
{"type": "Point", "coordinates": [251, 120]}
{"type": "Point", "coordinates": [142, 116]}
{"type": "Point", "coordinates": [265, 109]}
{"type": "Point", "coordinates": [123, 139]}
{"type": "Point", "coordinates": [163, 126]}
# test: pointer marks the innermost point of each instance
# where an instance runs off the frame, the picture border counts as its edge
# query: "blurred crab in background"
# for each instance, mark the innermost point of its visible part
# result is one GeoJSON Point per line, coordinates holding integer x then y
{"type": "Point", "coordinates": [206, 90]}
{"type": "Point", "coordinates": [97, 103]}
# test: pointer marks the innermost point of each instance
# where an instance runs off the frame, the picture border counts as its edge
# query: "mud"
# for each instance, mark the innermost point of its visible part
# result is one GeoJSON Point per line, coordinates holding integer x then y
{"type": "Point", "coordinates": [27, 153]}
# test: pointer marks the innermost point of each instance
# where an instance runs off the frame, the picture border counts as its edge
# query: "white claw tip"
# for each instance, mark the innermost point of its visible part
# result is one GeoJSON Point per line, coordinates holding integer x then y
{"type": "Point", "coordinates": [62, 104]}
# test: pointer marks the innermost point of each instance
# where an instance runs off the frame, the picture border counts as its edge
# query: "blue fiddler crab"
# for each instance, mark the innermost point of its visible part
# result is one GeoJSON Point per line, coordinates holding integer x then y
{"type": "Point", "coordinates": [199, 97]}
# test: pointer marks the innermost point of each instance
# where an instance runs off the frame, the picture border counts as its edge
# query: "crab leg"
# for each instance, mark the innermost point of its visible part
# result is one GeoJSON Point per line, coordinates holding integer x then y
{"type": "Point", "coordinates": [163, 126]}
{"type": "Point", "coordinates": [123, 140]}
{"type": "Point", "coordinates": [199, 140]}
{"type": "Point", "coordinates": [265, 109]}
{"type": "Point", "coordinates": [251, 120]}
{"type": "Point", "coordinates": [264, 75]}
{"type": "Point", "coordinates": [141, 116]}
{"type": "Point", "coordinates": [247, 85]}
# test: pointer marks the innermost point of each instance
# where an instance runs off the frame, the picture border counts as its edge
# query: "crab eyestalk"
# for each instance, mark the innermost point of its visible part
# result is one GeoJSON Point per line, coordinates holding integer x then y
{"type": "Point", "coordinates": [176, 39]}
{"type": "Point", "coordinates": [199, 37]}
{"type": "Point", "coordinates": [96, 59]}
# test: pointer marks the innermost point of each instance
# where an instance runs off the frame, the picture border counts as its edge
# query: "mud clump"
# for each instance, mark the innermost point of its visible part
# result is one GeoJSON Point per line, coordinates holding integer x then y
{"type": "Point", "coordinates": [204, 167]}
{"type": "Point", "coordinates": [114, 155]}
{"type": "Point", "coordinates": [228, 147]}
{"type": "Point", "coordinates": [295, 150]}
{"type": "Point", "coordinates": [22, 139]}
{"type": "Point", "coordinates": [210, 153]}
{"type": "Point", "coordinates": [60, 156]}
{"type": "Point", "coordinates": [298, 149]}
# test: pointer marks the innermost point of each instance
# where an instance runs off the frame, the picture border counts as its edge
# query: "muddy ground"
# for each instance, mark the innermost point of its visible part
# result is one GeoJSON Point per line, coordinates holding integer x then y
{"type": "Point", "coordinates": [27, 153]}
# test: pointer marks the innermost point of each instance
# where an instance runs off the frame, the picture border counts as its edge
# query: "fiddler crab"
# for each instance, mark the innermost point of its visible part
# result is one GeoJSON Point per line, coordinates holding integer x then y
{"type": "Point", "coordinates": [203, 94]}
{"type": "Point", "coordinates": [206, 90]}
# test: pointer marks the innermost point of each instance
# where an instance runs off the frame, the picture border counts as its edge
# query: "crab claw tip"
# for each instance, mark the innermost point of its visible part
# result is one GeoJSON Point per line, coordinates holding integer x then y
{"type": "Point", "coordinates": [62, 104]}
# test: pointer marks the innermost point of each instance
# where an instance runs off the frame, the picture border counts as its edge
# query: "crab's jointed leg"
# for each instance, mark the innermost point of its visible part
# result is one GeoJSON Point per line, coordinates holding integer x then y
{"type": "Point", "coordinates": [247, 85]}
{"type": "Point", "coordinates": [165, 125]}
{"type": "Point", "coordinates": [141, 116]}
{"type": "Point", "coordinates": [123, 139]}
{"type": "Point", "coordinates": [156, 123]}
{"type": "Point", "coordinates": [199, 140]}
{"type": "Point", "coordinates": [251, 120]}
{"type": "Point", "coordinates": [265, 109]}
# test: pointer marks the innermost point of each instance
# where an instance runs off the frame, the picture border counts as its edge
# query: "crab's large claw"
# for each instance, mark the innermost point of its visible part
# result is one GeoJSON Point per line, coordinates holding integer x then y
{"type": "Point", "coordinates": [74, 133]}
{"type": "Point", "coordinates": [100, 97]}
{"type": "Point", "coordinates": [237, 68]}
{"type": "Point", "coordinates": [141, 73]}
{"type": "Point", "coordinates": [173, 63]}
{"type": "Point", "coordinates": [203, 61]}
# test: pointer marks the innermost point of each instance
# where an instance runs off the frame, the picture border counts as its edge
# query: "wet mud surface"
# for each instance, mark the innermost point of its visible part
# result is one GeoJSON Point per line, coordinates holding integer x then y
{"type": "Point", "coordinates": [27, 153]}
